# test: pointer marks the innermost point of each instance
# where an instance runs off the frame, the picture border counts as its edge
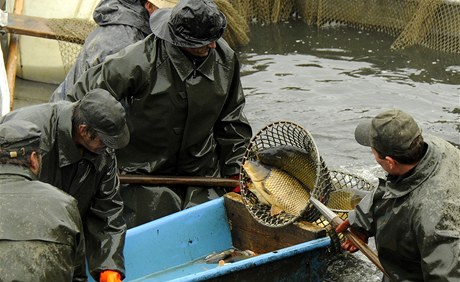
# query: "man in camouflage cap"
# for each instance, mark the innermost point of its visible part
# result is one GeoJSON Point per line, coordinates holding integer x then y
{"type": "Point", "coordinates": [41, 233]}
{"type": "Point", "coordinates": [415, 213]}
{"type": "Point", "coordinates": [78, 142]}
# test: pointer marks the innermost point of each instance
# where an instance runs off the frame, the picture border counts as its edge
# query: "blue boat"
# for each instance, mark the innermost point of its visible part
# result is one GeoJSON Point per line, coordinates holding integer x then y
{"type": "Point", "coordinates": [173, 248]}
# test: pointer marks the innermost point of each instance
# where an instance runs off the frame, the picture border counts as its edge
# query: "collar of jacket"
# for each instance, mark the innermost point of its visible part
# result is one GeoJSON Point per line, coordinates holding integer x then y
{"type": "Point", "coordinates": [69, 152]}
{"type": "Point", "coordinates": [184, 66]}
{"type": "Point", "coordinates": [18, 170]}
{"type": "Point", "coordinates": [425, 168]}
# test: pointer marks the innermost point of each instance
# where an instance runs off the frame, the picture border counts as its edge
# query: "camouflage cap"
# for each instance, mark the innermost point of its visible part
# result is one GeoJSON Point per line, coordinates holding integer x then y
{"type": "Point", "coordinates": [390, 132]}
{"type": "Point", "coordinates": [17, 137]}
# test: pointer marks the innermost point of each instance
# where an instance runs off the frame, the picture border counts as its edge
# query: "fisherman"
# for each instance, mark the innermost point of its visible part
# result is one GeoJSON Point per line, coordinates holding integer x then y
{"type": "Point", "coordinates": [78, 141]}
{"type": "Point", "coordinates": [185, 107]}
{"type": "Point", "coordinates": [415, 213]}
{"type": "Point", "coordinates": [41, 234]}
{"type": "Point", "coordinates": [120, 23]}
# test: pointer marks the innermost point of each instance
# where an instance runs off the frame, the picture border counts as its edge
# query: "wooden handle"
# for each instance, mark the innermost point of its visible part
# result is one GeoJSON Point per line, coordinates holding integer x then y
{"type": "Point", "coordinates": [362, 246]}
{"type": "Point", "coordinates": [178, 180]}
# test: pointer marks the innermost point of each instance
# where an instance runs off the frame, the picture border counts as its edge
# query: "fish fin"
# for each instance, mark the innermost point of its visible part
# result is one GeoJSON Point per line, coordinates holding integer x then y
{"type": "Point", "coordinates": [275, 210]}
{"type": "Point", "coordinates": [265, 190]}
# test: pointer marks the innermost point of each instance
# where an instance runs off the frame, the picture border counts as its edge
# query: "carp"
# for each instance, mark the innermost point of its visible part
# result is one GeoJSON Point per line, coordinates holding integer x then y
{"type": "Point", "coordinates": [345, 199]}
{"type": "Point", "coordinates": [293, 160]}
{"type": "Point", "coordinates": [276, 188]}
{"type": "Point", "coordinates": [229, 256]}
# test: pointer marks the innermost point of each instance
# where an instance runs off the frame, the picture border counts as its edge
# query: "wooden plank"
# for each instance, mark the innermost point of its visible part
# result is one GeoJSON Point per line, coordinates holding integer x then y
{"type": "Point", "coordinates": [249, 234]}
{"type": "Point", "coordinates": [13, 55]}
{"type": "Point", "coordinates": [178, 180]}
{"type": "Point", "coordinates": [34, 26]}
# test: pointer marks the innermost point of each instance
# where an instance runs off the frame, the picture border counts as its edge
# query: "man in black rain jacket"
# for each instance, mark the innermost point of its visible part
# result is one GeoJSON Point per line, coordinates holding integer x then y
{"type": "Point", "coordinates": [185, 105]}
{"type": "Point", "coordinates": [120, 23]}
{"type": "Point", "coordinates": [414, 213]}
{"type": "Point", "coordinates": [77, 143]}
{"type": "Point", "coordinates": [41, 234]}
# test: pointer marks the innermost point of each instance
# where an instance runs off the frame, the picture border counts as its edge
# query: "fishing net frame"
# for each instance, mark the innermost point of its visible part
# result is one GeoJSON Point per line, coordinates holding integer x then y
{"type": "Point", "coordinates": [340, 181]}
{"type": "Point", "coordinates": [284, 133]}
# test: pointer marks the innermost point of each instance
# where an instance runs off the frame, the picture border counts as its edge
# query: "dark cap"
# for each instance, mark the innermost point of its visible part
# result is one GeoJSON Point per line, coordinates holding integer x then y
{"type": "Point", "coordinates": [17, 137]}
{"type": "Point", "coordinates": [190, 24]}
{"type": "Point", "coordinates": [107, 116]}
{"type": "Point", "coordinates": [390, 132]}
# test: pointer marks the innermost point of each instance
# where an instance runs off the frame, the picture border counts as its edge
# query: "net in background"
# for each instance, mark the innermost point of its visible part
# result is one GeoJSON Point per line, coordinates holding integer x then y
{"type": "Point", "coordinates": [71, 35]}
{"type": "Point", "coordinates": [72, 32]}
{"type": "Point", "coordinates": [434, 24]}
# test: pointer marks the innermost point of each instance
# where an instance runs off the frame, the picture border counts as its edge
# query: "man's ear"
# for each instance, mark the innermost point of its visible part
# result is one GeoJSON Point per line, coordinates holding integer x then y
{"type": "Point", "coordinates": [35, 162]}
{"type": "Point", "coordinates": [391, 162]}
{"type": "Point", "coordinates": [82, 130]}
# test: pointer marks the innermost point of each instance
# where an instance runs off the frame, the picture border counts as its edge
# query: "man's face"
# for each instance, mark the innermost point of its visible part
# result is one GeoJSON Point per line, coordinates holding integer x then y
{"type": "Point", "coordinates": [91, 143]}
{"type": "Point", "coordinates": [202, 51]}
{"type": "Point", "coordinates": [388, 164]}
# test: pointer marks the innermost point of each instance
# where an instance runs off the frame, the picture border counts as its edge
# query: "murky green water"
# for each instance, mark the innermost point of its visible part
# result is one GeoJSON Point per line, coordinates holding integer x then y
{"type": "Point", "coordinates": [327, 80]}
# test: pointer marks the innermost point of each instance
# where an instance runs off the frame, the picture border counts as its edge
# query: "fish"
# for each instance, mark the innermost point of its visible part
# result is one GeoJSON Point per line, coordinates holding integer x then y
{"type": "Point", "coordinates": [276, 188]}
{"type": "Point", "coordinates": [341, 201]}
{"type": "Point", "coordinates": [229, 256]}
{"type": "Point", "coordinates": [293, 160]}
{"type": "Point", "coordinates": [345, 198]}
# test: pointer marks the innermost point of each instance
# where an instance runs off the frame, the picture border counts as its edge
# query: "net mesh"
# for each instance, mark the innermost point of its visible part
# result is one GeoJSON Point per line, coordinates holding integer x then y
{"type": "Point", "coordinates": [434, 24]}
{"type": "Point", "coordinates": [71, 34]}
{"type": "Point", "coordinates": [340, 191]}
{"type": "Point", "coordinates": [288, 134]}
{"type": "Point", "coordinates": [345, 193]}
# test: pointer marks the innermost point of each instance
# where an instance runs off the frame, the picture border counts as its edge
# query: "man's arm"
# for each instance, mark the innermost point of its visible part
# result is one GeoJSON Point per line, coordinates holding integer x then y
{"type": "Point", "coordinates": [105, 226]}
{"type": "Point", "coordinates": [122, 74]}
{"type": "Point", "coordinates": [233, 131]}
{"type": "Point", "coordinates": [439, 241]}
{"type": "Point", "coordinates": [80, 254]}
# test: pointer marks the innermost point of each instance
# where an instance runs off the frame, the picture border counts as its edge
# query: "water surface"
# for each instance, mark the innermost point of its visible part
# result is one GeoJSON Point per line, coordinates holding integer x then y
{"type": "Point", "coordinates": [328, 80]}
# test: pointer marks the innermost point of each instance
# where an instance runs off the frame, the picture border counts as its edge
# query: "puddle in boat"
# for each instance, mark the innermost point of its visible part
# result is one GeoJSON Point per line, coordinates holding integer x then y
{"type": "Point", "coordinates": [208, 262]}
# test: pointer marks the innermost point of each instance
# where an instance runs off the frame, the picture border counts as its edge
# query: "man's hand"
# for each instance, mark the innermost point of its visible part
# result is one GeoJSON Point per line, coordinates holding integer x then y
{"type": "Point", "coordinates": [237, 188]}
{"type": "Point", "coordinates": [348, 245]}
{"type": "Point", "coordinates": [110, 276]}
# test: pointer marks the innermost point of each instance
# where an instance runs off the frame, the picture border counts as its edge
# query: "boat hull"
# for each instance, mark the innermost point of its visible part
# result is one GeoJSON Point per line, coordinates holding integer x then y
{"type": "Point", "coordinates": [173, 248]}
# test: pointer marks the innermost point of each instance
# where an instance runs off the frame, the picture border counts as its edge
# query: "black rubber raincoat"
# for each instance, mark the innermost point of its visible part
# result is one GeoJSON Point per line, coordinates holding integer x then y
{"type": "Point", "coordinates": [92, 179]}
{"type": "Point", "coordinates": [41, 234]}
{"type": "Point", "coordinates": [185, 117]}
{"type": "Point", "coordinates": [416, 218]}
{"type": "Point", "coordinates": [120, 23]}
